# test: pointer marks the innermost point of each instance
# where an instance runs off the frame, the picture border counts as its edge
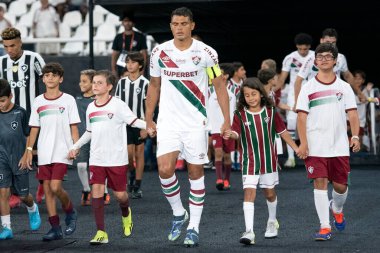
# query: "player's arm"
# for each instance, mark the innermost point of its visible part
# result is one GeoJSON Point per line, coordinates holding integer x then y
{"type": "Point", "coordinates": [301, 129]}
{"type": "Point", "coordinates": [216, 78]}
{"type": "Point", "coordinates": [74, 150]}
{"type": "Point", "coordinates": [74, 132]}
{"type": "Point", "coordinates": [114, 56]}
{"type": "Point", "coordinates": [353, 118]}
{"type": "Point", "coordinates": [30, 144]}
{"type": "Point", "coordinates": [282, 78]}
{"type": "Point", "coordinates": [349, 78]}
{"type": "Point", "coordinates": [297, 88]}
{"type": "Point", "coordinates": [151, 101]}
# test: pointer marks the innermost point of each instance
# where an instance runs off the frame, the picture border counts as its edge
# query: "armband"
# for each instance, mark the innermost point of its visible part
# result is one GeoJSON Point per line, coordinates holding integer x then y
{"type": "Point", "coordinates": [213, 71]}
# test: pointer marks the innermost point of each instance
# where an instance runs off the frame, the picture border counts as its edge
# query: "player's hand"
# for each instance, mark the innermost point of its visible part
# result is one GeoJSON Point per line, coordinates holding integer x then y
{"type": "Point", "coordinates": [73, 154]}
{"type": "Point", "coordinates": [22, 163]}
{"type": "Point", "coordinates": [355, 145]}
{"type": "Point", "coordinates": [151, 128]}
{"type": "Point", "coordinates": [29, 160]}
{"type": "Point", "coordinates": [143, 134]}
{"type": "Point", "coordinates": [303, 151]}
{"type": "Point", "coordinates": [225, 130]}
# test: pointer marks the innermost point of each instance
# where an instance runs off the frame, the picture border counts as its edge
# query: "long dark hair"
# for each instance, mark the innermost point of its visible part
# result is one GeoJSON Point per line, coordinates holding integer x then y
{"type": "Point", "coordinates": [253, 83]}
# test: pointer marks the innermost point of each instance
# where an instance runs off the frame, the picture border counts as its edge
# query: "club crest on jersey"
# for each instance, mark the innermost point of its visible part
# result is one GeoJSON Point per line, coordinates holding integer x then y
{"type": "Point", "coordinates": [61, 109]}
{"type": "Point", "coordinates": [310, 169]}
{"type": "Point", "coordinates": [248, 123]}
{"type": "Point", "coordinates": [14, 125]}
{"type": "Point", "coordinates": [110, 115]}
{"type": "Point", "coordinates": [24, 67]}
{"type": "Point", "coordinates": [196, 59]}
{"type": "Point", "coordinates": [91, 174]}
{"type": "Point", "coordinates": [138, 90]}
{"type": "Point", "coordinates": [339, 95]}
{"type": "Point", "coordinates": [266, 119]}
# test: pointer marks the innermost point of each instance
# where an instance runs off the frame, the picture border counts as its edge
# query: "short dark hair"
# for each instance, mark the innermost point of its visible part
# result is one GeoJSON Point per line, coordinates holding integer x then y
{"type": "Point", "coordinates": [127, 14]}
{"type": "Point", "coordinates": [137, 57]}
{"type": "Point", "coordinates": [303, 39]}
{"type": "Point", "coordinates": [10, 33]}
{"type": "Point", "coordinates": [182, 11]}
{"type": "Point", "coordinates": [88, 72]}
{"type": "Point", "coordinates": [53, 67]}
{"type": "Point", "coordinates": [253, 83]}
{"type": "Point", "coordinates": [5, 88]}
{"type": "Point", "coordinates": [237, 65]}
{"type": "Point", "coordinates": [327, 47]}
{"type": "Point", "coordinates": [228, 69]}
{"type": "Point", "coordinates": [331, 32]}
{"type": "Point", "coordinates": [359, 72]}
{"type": "Point", "coordinates": [110, 77]}
{"type": "Point", "coordinates": [265, 75]}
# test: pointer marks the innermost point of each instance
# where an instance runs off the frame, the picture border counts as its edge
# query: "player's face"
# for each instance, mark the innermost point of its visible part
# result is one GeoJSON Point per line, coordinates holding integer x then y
{"type": "Point", "coordinates": [328, 39]}
{"type": "Point", "coordinates": [133, 66]}
{"type": "Point", "coordinates": [13, 48]}
{"type": "Point", "coordinates": [303, 50]}
{"type": "Point", "coordinates": [128, 24]}
{"type": "Point", "coordinates": [51, 80]}
{"type": "Point", "coordinates": [85, 83]}
{"type": "Point", "coordinates": [252, 98]}
{"type": "Point", "coordinates": [5, 103]}
{"type": "Point", "coordinates": [358, 80]}
{"type": "Point", "coordinates": [181, 27]}
{"type": "Point", "coordinates": [100, 86]}
{"type": "Point", "coordinates": [325, 61]}
{"type": "Point", "coordinates": [241, 73]}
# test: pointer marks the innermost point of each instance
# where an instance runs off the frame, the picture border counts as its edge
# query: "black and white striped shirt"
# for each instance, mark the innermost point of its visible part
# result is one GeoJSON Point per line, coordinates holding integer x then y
{"type": "Point", "coordinates": [133, 93]}
{"type": "Point", "coordinates": [22, 76]}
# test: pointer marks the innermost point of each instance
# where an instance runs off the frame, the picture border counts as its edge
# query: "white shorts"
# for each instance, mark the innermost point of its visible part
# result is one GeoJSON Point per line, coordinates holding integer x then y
{"type": "Point", "coordinates": [192, 145]}
{"type": "Point", "coordinates": [269, 180]}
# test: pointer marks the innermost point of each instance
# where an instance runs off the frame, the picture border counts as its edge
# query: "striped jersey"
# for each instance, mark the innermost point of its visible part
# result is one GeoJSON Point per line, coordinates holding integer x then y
{"type": "Point", "coordinates": [22, 75]}
{"type": "Point", "coordinates": [54, 117]}
{"type": "Point", "coordinates": [184, 80]}
{"type": "Point", "coordinates": [292, 63]}
{"type": "Point", "coordinates": [326, 105]}
{"type": "Point", "coordinates": [214, 111]}
{"type": "Point", "coordinates": [257, 133]}
{"type": "Point", "coordinates": [310, 70]}
{"type": "Point", "coordinates": [133, 93]}
{"type": "Point", "coordinates": [107, 124]}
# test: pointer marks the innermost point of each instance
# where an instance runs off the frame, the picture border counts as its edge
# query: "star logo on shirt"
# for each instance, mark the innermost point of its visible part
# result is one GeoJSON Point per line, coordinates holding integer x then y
{"type": "Point", "coordinates": [14, 125]}
{"type": "Point", "coordinates": [24, 67]}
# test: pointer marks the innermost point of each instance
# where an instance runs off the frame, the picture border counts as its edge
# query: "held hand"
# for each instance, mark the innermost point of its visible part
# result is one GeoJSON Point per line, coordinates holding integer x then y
{"type": "Point", "coordinates": [362, 98]}
{"type": "Point", "coordinates": [151, 128]}
{"type": "Point", "coordinates": [73, 154]}
{"type": "Point", "coordinates": [355, 145]}
{"type": "Point", "coordinates": [226, 127]}
{"type": "Point", "coordinates": [143, 134]}
{"type": "Point", "coordinates": [303, 151]}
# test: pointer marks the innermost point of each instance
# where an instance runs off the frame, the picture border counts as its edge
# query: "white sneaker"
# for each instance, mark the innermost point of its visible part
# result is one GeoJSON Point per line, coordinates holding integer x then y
{"type": "Point", "coordinates": [248, 238]}
{"type": "Point", "coordinates": [290, 163]}
{"type": "Point", "coordinates": [272, 229]}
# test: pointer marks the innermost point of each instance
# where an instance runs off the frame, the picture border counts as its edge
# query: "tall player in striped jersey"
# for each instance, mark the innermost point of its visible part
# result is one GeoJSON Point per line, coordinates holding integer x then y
{"type": "Point", "coordinates": [180, 70]}
{"type": "Point", "coordinates": [256, 123]}
{"type": "Point", "coordinates": [290, 67]}
{"type": "Point", "coordinates": [132, 90]}
{"type": "Point", "coordinates": [22, 69]}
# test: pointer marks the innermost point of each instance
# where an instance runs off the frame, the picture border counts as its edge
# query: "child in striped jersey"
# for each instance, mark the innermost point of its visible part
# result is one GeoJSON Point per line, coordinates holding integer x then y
{"type": "Point", "coordinates": [256, 123]}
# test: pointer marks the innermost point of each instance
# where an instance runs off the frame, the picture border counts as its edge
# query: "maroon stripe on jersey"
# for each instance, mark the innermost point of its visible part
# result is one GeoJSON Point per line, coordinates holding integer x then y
{"type": "Point", "coordinates": [251, 159]}
{"type": "Point", "coordinates": [197, 191]}
{"type": "Point", "coordinates": [195, 204]}
{"type": "Point", "coordinates": [258, 124]}
{"type": "Point", "coordinates": [168, 185]}
{"type": "Point", "coordinates": [173, 194]}
{"type": "Point", "coordinates": [167, 61]}
{"type": "Point", "coordinates": [196, 91]}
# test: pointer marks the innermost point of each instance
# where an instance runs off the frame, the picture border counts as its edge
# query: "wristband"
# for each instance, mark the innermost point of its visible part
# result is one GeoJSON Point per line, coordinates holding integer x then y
{"type": "Point", "coordinates": [355, 137]}
{"type": "Point", "coordinates": [29, 149]}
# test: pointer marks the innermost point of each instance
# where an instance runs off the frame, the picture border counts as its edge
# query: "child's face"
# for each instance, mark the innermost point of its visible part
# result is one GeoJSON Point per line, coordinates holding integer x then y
{"type": "Point", "coordinates": [358, 80]}
{"type": "Point", "coordinates": [100, 86]}
{"type": "Point", "coordinates": [133, 66]}
{"type": "Point", "coordinates": [5, 102]}
{"type": "Point", "coordinates": [85, 83]}
{"type": "Point", "coordinates": [252, 98]}
{"type": "Point", "coordinates": [51, 80]}
{"type": "Point", "coordinates": [240, 73]}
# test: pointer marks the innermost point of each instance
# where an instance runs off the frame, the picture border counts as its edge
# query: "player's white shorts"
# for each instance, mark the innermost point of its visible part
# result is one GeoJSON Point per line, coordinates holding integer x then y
{"type": "Point", "coordinates": [269, 180]}
{"type": "Point", "coordinates": [192, 145]}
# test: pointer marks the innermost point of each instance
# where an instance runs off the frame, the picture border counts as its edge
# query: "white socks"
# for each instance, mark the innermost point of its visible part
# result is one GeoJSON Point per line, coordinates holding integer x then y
{"type": "Point", "coordinates": [338, 201]}
{"type": "Point", "coordinates": [32, 209]}
{"type": "Point", "coordinates": [249, 212]}
{"type": "Point", "coordinates": [321, 202]}
{"type": "Point", "coordinates": [171, 189]}
{"type": "Point", "coordinates": [196, 200]}
{"type": "Point", "coordinates": [6, 221]}
{"type": "Point", "coordinates": [272, 209]}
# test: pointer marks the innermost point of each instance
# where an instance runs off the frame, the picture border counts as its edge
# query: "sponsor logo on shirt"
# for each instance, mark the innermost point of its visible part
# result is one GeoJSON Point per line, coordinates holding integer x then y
{"type": "Point", "coordinates": [310, 169]}
{"type": "Point", "coordinates": [18, 84]}
{"type": "Point", "coordinates": [202, 155]}
{"type": "Point", "coordinates": [14, 125]}
{"type": "Point", "coordinates": [213, 57]}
